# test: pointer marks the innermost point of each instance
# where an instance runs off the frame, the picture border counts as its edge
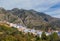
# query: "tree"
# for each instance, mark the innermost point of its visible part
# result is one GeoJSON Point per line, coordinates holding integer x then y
{"type": "Point", "coordinates": [43, 36]}
{"type": "Point", "coordinates": [38, 38]}
{"type": "Point", "coordinates": [54, 37]}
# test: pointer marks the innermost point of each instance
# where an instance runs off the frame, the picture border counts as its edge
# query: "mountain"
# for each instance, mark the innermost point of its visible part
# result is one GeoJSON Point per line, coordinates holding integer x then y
{"type": "Point", "coordinates": [29, 18]}
{"type": "Point", "coordinates": [8, 16]}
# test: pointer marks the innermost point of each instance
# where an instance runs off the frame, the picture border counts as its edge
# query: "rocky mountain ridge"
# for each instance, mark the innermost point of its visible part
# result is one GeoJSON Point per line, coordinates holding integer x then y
{"type": "Point", "coordinates": [29, 18]}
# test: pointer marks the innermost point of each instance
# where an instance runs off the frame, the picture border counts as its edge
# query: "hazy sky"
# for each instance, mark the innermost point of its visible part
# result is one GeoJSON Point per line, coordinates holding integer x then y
{"type": "Point", "coordinates": [51, 7]}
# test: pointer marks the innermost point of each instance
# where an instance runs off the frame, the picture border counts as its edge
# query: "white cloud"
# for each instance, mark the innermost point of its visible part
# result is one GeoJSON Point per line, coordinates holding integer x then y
{"type": "Point", "coordinates": [38, 5]}
{"type": "Point", "coordinates": [28, 3]}
{"type": "Point", "coordinates": [55, 13]}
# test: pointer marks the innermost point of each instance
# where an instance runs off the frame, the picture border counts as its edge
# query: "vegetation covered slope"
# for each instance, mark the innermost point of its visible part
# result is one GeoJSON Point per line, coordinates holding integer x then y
{"type": "Point", "coordinates": [8, 33]}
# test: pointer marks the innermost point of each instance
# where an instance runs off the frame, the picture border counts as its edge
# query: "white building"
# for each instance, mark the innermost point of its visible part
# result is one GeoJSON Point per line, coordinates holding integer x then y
{"type": "Point", "coordinates": [13, 25]}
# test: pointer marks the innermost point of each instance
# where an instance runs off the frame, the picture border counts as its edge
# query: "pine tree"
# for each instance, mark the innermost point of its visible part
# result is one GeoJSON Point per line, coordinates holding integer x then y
{"type": "Point", "coordinates": [43, 36]}
{"type": "Point", "coordinates": [54, 37]}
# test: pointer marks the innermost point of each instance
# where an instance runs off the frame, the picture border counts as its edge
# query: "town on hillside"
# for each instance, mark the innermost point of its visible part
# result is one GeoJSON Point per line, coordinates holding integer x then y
{"type": "Point", "coordinates": [33, 31]}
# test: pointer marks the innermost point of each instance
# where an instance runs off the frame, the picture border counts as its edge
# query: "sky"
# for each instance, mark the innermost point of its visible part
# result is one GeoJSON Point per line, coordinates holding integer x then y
{"type": "Point", "coordinates": [50, 7]}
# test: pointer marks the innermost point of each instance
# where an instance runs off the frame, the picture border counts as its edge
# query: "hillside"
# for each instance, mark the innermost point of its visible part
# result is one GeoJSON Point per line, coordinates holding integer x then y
{"type": "Point", "coordinates": [29, 18]}
{"type": "Point", "coordinates": [8, 33]}
{"type": "Point", "coordinates": [8, 16]}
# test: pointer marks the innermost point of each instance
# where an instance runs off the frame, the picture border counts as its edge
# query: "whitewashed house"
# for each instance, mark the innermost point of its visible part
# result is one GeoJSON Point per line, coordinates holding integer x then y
{"type": "Point", "coordinates": [13, 25]}
{"type": "Point", "coordinates": [48, 33]}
